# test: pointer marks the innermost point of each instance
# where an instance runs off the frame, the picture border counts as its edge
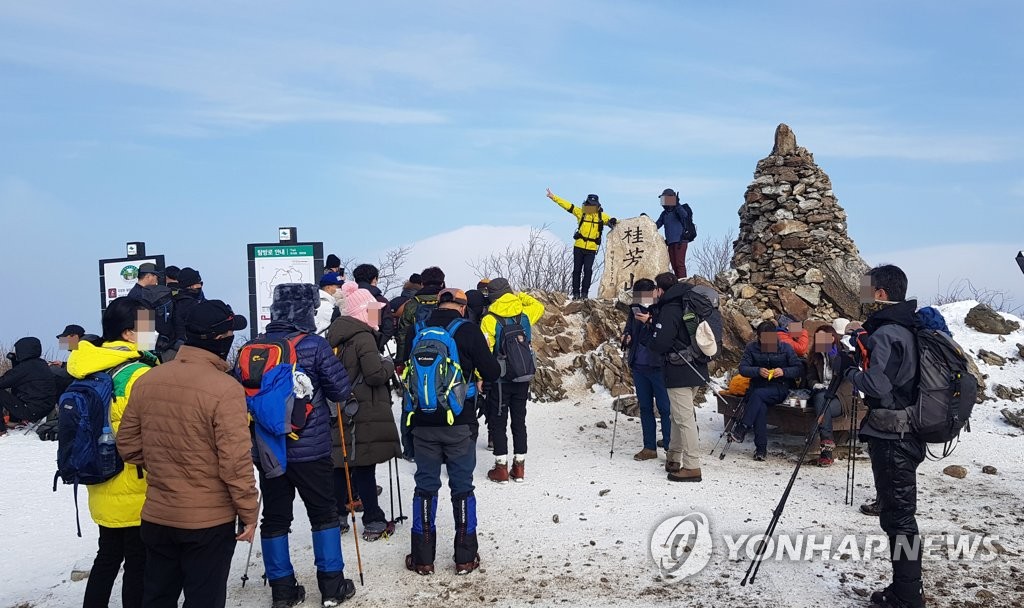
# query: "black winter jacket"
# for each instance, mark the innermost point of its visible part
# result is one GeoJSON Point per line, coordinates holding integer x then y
{"type": "Point", "coordinates": [474, 356]}
{"type": "Point", "coordinates": [386, 330]}
{"type": "Point", "coordinates": [785, 359]}
{"type": "Point", "coordinates": [891, 374]}
{"type": "Point", "coordinates": [30, 380]}
{"type": "Point", "coordinates": [670, 335]}
{"type": "Point", "coordinates": [184, 301]}
{"type": "Point", "coordinates": [638, 354]}
{"type": "Point", "coordinates": [372, 435]}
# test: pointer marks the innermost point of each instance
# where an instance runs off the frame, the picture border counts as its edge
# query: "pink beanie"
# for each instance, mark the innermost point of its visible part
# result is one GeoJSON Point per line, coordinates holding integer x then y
{"type": "Point", "coordinates": [356, 301]}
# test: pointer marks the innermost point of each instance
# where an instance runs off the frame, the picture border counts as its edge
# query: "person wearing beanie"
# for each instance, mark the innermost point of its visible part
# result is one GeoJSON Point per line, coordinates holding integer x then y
{"type": "Point", "coordinates": [188, 294]}
{"type": "Point", "coordinates": [677, 220]}
{"type": "Point", "coordinates": [450, 442]}
{"type": "Point", "coordinates": [310, 470]}
{"type": "Point", "coordinates": [412, 316]}
{"type": "Point", "coordinates": [366, 277]}
{"type": "Point", "coordinates": [187, 425]}
{"type": "Point", "coordinates": [331, 301]}
{"type": "Point", "coordinates": [505, 397]}
{"type": "Point", "coordinates": [371, 435]}
{"type": "Point", "coordinates": [591, 220]}
{"type": "Point", "coordinates": [333, 264]}
{"type": "Point", "coordinates": [171, 278]}
{"type": "Point", "coordinates": [116, 505]}
{"type": "Point", "coordinates": [478, 302]}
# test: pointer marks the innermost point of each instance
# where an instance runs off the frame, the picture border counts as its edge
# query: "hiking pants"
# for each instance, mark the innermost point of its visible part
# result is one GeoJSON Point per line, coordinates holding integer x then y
{"type": "Point", "coordinates": [894, 463]}
{"type": "Point", "coordinates": [315, 485]}
{"type": "Point", "coordinates": [194, 561]}
{"type": "Point", "coordinates": [651, 391]}
{"type": "Point", "coordinates": [17, 410]}
{"type": "Point", "coordinates": [756, 415]}
{"type": "Point", "coordinates": [836, 409]}
{"type": "Point", "coordinates": [582, 264]}
{"type": "Point", "coordinates": [684, 447]}
{"type": "Point", "coordinates": [117, 545]}
{"type": "Point", "coordinates": [513, 397]}
{"type": "Point", "coordinates": [364, 486]}
{"type": "Point", "coordinates": [677, 257]}
{"type": "Point", "coordinates": [455, 447]}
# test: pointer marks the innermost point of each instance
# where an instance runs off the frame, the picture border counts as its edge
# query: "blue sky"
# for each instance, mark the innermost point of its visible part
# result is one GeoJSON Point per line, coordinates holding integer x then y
{"type": "Point", "coordinates": [198, 127]}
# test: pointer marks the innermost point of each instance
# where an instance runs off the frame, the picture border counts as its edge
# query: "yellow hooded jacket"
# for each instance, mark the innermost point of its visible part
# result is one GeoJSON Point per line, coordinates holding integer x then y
{"type": "Point", "coordinates": [590, 224]}
{"type": "Point", "coordinates": [117, 502]}
{"type": "Point", "coordinates": [510, 305]}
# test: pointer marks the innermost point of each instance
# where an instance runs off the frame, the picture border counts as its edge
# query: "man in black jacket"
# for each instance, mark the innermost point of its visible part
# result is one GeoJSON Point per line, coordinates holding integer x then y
{"type": "Point", "coordinates": [682, 377]}
{"type": "Point", "coordinates": [437, 442]}
{"type": "Point", "coordinates": [433, 283]}
{"type": "Point", "coordinates": [160, 300]}
{"type": "Point", "coordinates": [28, 391]}
{"type": "Point", "coordinates": [188, 295]}
{"type": "Point", "coordinates": [772, 366]}
{"type": "Point", "coordinates": [888, 381]}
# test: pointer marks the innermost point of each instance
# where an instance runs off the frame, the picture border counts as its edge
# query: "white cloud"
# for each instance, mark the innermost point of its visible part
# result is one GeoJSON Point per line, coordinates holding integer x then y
{"type": "Point", "coordinates": [933, 270]}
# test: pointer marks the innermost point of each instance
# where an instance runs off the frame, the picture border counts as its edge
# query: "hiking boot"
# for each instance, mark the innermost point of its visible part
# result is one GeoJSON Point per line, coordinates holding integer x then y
{"type": "Point", "coordinates": [343, 524]}
{"type": "Point", "coordinates": [490, 445]}
{"type": "Point", "coordinates": [761, 455]}
{"type": "Point", "coordinates": [691, 475]}
{"type": "Point", "coordinates": [348, 589]}
{"type": "Point", "coordinates": [871, 508]}
{"type": "Point", "coordinates": [499, 474]}
{"type": "Point", "coordinates": [738, 433]}
{"type": "Point", "coordinates": [518, 473]}
{"type": "Point", "coordinates": [673, 467]}
{"type": "Point", "coordinates": [380, 490]}
{"type": "Point", "coordinates": [886, 598]}
{"type": "Point", "coordinates": [377, 530]}
{"type": "Point", "coordinates": [645, 454]}
{"type": "Point", "coordinates": [287, 593]}
{"type": "Point", "coordinates": [827, 454]}
{"type": "Point", "coordinates": [661, 444]}
{"type": "Point", "coordinates": [421, 569]}
{"type": "Point", "coordinates": [464, 569]}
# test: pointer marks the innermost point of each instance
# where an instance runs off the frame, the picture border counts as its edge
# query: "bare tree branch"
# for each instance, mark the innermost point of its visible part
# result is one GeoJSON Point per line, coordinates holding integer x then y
{"type": "Point", "coordinates": [964, 289]}
{"type": "Point", "coordinates": [390, 267]}
{"type": "Point", "coordinates": [541, 263]}
{"type": "Point", "coordinates": [711, 256]}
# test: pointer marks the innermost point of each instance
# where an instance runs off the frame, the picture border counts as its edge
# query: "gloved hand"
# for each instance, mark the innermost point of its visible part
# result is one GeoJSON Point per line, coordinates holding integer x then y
{"type": "Point", "coordinates": [858, 337]}
{"type": "Point", "coordinates": [399, 368]}
{"type": "Point", "coordinates": [389, 366]}
{"type": "Point", "coordinates": [611, 223]}
{"type": "Point", "coordinates": [47, 431]}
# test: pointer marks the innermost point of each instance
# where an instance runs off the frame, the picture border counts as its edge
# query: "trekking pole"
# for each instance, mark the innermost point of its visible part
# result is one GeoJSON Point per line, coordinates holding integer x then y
{"type": "Point", "coordinates": [615, 427]}
{"type": "Point", "coordinates": [736, 414]}
{"type": "Point", "coordinates": [391, 490]}
{"type": "Point", "coordinates": [351, 502]}
{"type": "Point", "coordinates": [398, 484]}
{"type": "Point", "coordinates": [851, 460]}
{"type": "Point", "coordinates": [245, 575]}
{"type": "Point", "coordinates": [762, 547]}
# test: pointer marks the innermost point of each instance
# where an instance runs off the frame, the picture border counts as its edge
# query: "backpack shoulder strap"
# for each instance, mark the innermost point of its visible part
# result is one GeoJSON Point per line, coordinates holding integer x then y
{"type": "Point", "coordinates": [454, 326]}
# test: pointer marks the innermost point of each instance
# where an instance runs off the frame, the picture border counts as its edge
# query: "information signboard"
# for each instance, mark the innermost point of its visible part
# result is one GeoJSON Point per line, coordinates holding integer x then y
{"type": "Point", "coordinates": [271, 264]}
{"type": "Point", "coordinates": [118, 276]}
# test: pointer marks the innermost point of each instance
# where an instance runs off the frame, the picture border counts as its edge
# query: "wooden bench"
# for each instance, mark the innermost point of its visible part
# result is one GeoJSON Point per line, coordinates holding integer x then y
{"type": "Point", "coordinates": [795, 420]}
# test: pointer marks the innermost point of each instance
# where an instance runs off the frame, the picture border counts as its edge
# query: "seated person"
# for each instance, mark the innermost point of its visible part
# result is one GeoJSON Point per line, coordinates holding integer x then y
{"type": "Point", "coordinates": [29, 387]}
{"type": "Point", "coordinates": [773, 367]}
{"type": "Point", "coordinates": [793, 333]}
{"type": "Point", "coordinates": [826, 367]}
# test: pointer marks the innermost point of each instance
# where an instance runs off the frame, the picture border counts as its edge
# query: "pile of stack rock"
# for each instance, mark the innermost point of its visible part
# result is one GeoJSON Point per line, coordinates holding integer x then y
{"type": "Point", "coordinates": [793, 254]}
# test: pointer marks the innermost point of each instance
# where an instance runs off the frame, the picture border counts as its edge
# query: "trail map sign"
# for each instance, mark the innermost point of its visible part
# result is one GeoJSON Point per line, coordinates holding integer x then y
{"type": "Point", "coordinates": [272, 264]}
{"type": "Point", "coordinates": [119, 275]}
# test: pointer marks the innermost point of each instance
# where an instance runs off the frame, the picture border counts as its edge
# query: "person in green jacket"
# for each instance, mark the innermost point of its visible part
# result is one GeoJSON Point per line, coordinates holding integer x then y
{"type": "Point", "coordinates": [591, 220]}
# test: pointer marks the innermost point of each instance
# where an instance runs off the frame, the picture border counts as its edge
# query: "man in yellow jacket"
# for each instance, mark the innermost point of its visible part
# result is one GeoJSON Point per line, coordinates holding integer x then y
{"type": "Point", "coordinates": [508, 397]}
{"type": "Point", "coordinates": [116, 504]}
{"type": "Point", "coordinates": [592, 220]}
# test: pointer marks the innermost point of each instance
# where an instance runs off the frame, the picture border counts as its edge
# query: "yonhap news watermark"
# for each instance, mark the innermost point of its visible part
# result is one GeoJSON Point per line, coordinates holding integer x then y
{"type": "Point", "coordinates": [682, 546]}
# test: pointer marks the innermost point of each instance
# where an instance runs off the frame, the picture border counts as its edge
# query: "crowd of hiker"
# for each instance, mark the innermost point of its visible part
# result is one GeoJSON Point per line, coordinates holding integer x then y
{"type": "Point", "coordinates": [164, 431]}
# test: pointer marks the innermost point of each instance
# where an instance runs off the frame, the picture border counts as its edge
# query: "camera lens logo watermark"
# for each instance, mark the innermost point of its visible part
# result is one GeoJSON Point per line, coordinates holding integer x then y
{"type": "Point", "coordinates": [681, 546]}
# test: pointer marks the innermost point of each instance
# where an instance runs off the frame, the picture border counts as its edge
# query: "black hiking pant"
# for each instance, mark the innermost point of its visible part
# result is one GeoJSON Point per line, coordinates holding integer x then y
{"type": "Point", "coordinates": [314, 482]}
{"type": "Point", "coordinates": [582, 264]}
{"type": "Point", "coordinates": [894, 463]}
{"type": "Point", "coordinates": [19, 412]}
{"type": "Point", "coordinates": [512, 404]}
{"type": "Point", "coordinates": [194, 561]}
{"type": "Point", "coordinates": [117, 545]}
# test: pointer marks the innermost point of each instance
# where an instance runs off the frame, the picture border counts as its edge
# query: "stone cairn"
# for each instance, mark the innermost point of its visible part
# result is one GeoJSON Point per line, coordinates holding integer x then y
{"type": "Point", "coordinates": [793, 254]}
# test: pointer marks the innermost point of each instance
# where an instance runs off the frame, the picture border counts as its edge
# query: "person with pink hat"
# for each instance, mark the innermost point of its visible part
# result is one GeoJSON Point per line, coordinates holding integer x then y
{"type": "Point", "coordinates": [371, 434]}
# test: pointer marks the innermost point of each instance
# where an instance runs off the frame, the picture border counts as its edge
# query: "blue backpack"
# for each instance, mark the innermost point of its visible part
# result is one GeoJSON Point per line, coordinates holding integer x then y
{"type": "Point", "coordinates": [433, 379]}
{"type": "Point", "coordinates": [83, 415]}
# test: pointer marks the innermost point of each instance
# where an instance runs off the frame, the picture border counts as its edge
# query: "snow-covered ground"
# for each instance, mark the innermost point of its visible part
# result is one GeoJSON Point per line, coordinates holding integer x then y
{"type": "Point", "coordinates": [598, 552]}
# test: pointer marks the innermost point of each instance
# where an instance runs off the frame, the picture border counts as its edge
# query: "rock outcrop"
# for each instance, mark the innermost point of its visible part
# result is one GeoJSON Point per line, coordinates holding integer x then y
{"type": "Point", "coordinates": [988, 321]}
{"type": "Point", "coordinates": [633, 250]}
{"type": "Point", "coordinates": [793, 254]}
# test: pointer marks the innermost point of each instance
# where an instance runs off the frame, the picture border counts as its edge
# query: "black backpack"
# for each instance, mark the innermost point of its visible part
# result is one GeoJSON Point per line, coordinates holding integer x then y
{"type": "Point", "coordinates": [946, 390]}
{"type": "Point", "coordinates": [512, 347]}
{"type": "Point", "coordinates": [700, 306]}
{"type": "Point", "coordinates": [689, 228]}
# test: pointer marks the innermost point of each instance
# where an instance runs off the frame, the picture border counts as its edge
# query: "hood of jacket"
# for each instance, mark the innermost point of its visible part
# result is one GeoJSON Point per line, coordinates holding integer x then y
{"type": "Point", "coordinates": [27, 348]}
{"type": "Point", "coordinates": [89, 359]}
{"type": "Point", "coordinates": [410, 289]}
{"type": "Point", "coordinates": [345, 328]}
{"type": "Point", "coordinates": [294, 306]}
{"type": "Point", "coordinates": [900, 313]}
{"type": "Point", "coordinates": [675, 293]}
{"type": "Point", "coordinates": [508, 305]}
{"type": "Point", "coordinates": [152, 294]}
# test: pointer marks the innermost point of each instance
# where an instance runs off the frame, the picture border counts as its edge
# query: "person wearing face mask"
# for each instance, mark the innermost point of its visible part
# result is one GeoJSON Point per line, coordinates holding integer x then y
{"type": "Point", "coordinates": [187, 294]}
{"type": "Point", "coordinates": [186, 424]}
{"type": "Point", "coordinates": [831, 395]}
{"type": "Point", "coordinates": [331, 301]}
{"type": "Point", "coordinates": [371, 435]}
{"type": "Point", "coordinates": [116, 504]}
{"type": "Point", "coordinates": [648, 370]}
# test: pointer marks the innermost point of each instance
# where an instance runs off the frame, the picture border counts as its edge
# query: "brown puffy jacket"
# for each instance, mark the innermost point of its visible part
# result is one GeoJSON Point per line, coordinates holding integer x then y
{"type": "Point", "coordinates": [187, 425]}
